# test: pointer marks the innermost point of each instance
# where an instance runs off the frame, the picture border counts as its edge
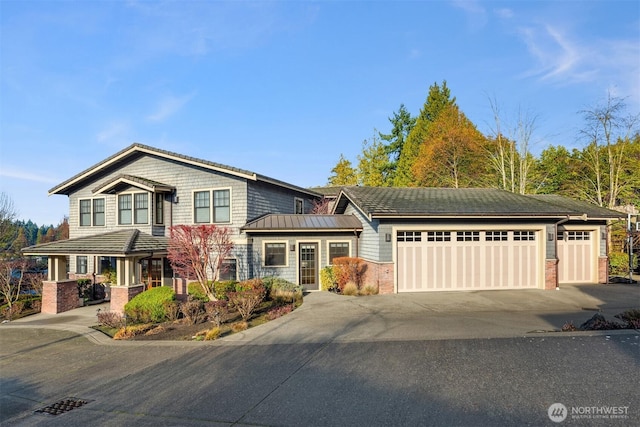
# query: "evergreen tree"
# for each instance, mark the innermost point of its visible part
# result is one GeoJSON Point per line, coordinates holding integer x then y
{"type": "Point", "coordinates": [438, 98]}
{"type": "Point", "coordinates": [402, 124]}
{"type": "Point", "coordinates": [373, 164]}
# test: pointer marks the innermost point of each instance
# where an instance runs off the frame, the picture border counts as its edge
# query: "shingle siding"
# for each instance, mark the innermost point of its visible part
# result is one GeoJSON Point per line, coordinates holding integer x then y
{"type": "Point", "coordinates": [263, 198]}
{"type": "Point", "coordinates": [369, 242]}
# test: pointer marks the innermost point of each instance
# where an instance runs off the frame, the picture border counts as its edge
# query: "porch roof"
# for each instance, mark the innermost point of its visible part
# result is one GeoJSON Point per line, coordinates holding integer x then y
{"type": "Point", "coordinates": [294, 223]}
{"type": "Point", "coordinates": [119, 243]}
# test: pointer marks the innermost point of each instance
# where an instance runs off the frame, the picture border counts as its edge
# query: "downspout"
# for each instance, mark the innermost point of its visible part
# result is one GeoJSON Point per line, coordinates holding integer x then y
{"type": "Point", "coordinates": [562, 221]}
{"type": "Point", "coordinates": [355, 233]}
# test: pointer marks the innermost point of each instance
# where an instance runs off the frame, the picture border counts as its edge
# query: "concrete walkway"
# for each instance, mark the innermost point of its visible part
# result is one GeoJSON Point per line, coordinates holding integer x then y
{"type": "Point", "coordinates": [326, 317]}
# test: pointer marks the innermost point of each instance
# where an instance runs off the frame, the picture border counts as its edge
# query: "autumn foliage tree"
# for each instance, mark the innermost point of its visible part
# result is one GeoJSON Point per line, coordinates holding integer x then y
{"type": "Point", "coordinates": [197, 252]}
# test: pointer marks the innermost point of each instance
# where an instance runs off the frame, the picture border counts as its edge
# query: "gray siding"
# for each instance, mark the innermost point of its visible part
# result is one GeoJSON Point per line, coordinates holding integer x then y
{"type": "Point", "coordinates": [369, 247]}
{"type": "Point", "coordinates": [263, 198]}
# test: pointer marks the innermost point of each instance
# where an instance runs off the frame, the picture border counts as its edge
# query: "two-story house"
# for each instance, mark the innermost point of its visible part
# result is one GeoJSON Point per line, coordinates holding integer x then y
{"type": "Point", "coordinates": [412, 239]}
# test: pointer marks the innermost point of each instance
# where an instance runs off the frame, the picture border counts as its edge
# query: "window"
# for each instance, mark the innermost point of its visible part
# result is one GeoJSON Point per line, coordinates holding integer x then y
{"type": "Point", "coordinates": [85, 213]}
{"type": "Point", "coordinates": [578, 235]}
{"type": "Point", "coordinates": [298, 206]}
{"type": "Point", "coordinates": [107, 264]}
{"type": "Point", "coordinates": [141, 208]}
{"type": "Point", "coordinates": [496, 236]}
{"type": "Point", "coordinates": [159, 216]}
{"type": "Point", "coordinates": [81, 264]}
{"type": "Point", "coordinates": [409, 236]}
{"type": "Point", "coordinates": [524, 235]}
{"type": "Point", "coordinates": [468, 236]}
{"type": "Point", "coordinates": [221, 206]}
{"type": "Point", "coordinates": [439, 236]}
{"type": "Point", "coordinates": [124, 209]}
{"type": "Point", "coordinates": [98, 212]}
{"type": "Point", "coordinates": [337, 250]}
{"type": "Point", "coordinates": [228, 269]}
{"type": "Point", "coordinates": [91, 212]}
{"type": "Point", "coordinates": [275, 254]}
{"type": "Point", "coordinates": [201, 206]}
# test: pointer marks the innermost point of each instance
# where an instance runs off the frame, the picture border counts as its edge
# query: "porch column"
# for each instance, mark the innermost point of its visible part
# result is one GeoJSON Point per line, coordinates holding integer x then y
{"type": "Point", "coordinates": [128, 284]}
{"type": "Point", "coordinates": [57, 266]}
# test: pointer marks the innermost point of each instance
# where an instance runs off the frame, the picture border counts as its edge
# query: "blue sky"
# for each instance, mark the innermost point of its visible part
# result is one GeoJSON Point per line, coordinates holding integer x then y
{"type": "Point", "coordinates": [282, 88]}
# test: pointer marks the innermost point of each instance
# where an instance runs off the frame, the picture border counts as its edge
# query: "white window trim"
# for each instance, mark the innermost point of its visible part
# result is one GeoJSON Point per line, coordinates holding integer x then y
{"type": "Point", "coordinates": [295, 205]}
{"type": "Point", "coordinates": [91, 213]}
{"type": "Point", "coordinates": [329, 242]}
{"type": "Point", "coordinates": [211, 205]}
{"type": "Point", "coordinates": [287, 254]}
{"type": "Point", "coordinates": [133, 208]}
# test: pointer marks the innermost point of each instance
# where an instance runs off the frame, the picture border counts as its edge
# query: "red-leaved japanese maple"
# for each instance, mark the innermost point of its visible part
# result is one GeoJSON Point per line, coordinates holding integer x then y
{"type": "Point", "coordinates": [197, 252]}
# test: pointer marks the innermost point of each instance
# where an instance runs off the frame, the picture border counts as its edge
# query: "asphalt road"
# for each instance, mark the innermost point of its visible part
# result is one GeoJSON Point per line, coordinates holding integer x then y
{"type": "Point", "coordinates": [459, 382]}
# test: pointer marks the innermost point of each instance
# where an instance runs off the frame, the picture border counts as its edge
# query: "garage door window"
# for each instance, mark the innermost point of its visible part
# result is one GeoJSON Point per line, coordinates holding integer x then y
{"type": "Point", "coordinates": [578, 235]}
{"type": "Point", "coordinates": [524, 235]}
{"type": "Point", "coordinates": [468, 236]}
{"type": "Point", "coordinates": [496, 236]}
{"type": "Point", "coordinates": [439, 236]}
{"type": "Point", "coordinates": [409, 236]}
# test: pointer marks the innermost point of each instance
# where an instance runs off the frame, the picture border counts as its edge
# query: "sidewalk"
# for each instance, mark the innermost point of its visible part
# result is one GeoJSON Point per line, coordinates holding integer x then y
{"type": "Point", "coordinates": [327, 317]}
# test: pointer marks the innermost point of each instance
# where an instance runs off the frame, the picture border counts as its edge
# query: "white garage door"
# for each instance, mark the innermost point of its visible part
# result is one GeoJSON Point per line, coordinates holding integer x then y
{"type": "Point", "coordinates": [467, 260]}
{"type": "Point", "coordinates": [576, 257]}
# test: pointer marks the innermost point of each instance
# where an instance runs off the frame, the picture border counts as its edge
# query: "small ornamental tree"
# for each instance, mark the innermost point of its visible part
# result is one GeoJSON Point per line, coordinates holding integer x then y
{"type": "Point", "coordinates": [197, 252]}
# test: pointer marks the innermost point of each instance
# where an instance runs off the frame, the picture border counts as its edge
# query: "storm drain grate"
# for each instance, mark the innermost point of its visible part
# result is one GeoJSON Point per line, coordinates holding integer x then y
{"type": "Point", "coordinates": [62, 406]}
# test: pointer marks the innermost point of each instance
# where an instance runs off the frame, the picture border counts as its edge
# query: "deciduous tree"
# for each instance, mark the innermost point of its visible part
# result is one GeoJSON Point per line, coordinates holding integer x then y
{"type": "Point", "coordinates": [197, 252]}
{"type": "Point", "coordinates": [373, 164]}
{"type": "Point", "coordinates": [343, 173]}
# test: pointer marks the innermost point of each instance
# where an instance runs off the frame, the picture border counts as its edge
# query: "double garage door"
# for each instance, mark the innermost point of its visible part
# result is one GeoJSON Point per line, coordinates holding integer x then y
{"type": "Point", "coordinates": [468, 260]}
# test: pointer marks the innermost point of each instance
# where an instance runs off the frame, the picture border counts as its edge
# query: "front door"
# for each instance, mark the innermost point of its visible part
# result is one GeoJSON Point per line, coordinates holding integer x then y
{"type": "Point", "coordinates": [152, 272]}
{"type": "Point", "coordinates": [308, 265]}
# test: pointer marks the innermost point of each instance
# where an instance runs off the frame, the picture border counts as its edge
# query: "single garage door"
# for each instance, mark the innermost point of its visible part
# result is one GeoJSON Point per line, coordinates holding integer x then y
{"type": "Point", "coordinates": [467, 260]}
{"type": "Point", "coordinates": [576, 257]}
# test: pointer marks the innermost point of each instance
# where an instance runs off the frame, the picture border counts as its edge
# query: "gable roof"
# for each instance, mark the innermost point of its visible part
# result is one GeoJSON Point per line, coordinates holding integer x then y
{"type": "Point", "coordinates": [115, 243]}
{"type": "Point", "coordinates": [381, 202]}
{"type": "Point", "coordinates": [308, 222]}
{"type": "Point", "coordinates": [124, 179]}
{"type": "Point", "coordinates": [136, 150]}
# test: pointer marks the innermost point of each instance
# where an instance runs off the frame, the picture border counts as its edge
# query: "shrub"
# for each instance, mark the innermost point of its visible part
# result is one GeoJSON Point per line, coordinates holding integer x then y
{"type": "Point", "coordinates": [216, 311]}
{"type": "Point", "coordinates": [128, 332]}
{"type": "Point", "coordinates": [619, 263]}
{"type": "Point", "coordinates": [248, 296]}
{"type": "Point", "coordinates": [195, 291]}
{"type": "Point", "coordinates": [279, 311]}
{"type": "Point", "coordinates": [150, 306]}
{"type": "Point", "coordinates": [327, 278]}
{"type": "Point", "coordinates": [192, 310]}
{"type": "Point", "coordinates": [111, 319]}
{"type": "Point", "coordinates": [220, 289]}
{"type": "Point", "coordinates": [369, 290]}
{"type": "Point", "coordinates": [14, 311]}
{"type": "Point", "coordinates": [348, 269]}
{"type": "Point", "coordinates": [212, 334]}
{"type": "Point", "coordinates": [173, 310]}
{"type": "Point", "coordinates": [283, 291]}
{"type": "Point", "coordinates": [240, 326]}
{"type": "Point", "coordinates": [84, 288]}
{"type": "Point", "coordinates": [568, 327]}
{"type": "Point", "coordinates": [632, 317]}
{"type": "Point", "coordinates": [350, 289]}
{"type": "Point", "coordinates": [37, 305]}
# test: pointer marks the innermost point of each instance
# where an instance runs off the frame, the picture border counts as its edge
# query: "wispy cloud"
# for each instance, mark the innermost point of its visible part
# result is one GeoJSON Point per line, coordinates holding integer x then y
{"type": "Point", "coordinates": [476, 13]}
{"type": "Point", "coordinates": [114, 131]}
{"type": "Point", "coordinates": [25, 175]}
{"type": "Point", "coordinates": [168, 106]}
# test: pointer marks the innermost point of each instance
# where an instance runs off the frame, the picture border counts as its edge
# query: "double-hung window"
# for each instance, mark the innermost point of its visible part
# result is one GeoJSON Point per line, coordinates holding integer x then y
{"type": "Point", "coordinates": [298, 206]}
{"type": "Point", "coordinates": [85, 213]}
{"type": "Point", "coordinates": [141, 208]}
{"type": "Point", "coordinates": [81, 264]}
{"type": "Point", "coordinates": [98, 212]}
{"type": "Point", "coordinates": [124, 209]}
{"type": "Point", "coordinates": [159, 206]}
{"type": "Point", "coordinates": [91, 212]}
{"type": "Point", "coordinates": [204, 211]}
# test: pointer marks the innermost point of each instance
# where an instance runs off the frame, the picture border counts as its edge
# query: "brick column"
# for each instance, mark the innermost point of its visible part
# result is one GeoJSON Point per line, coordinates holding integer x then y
{"type": "Point", "coordinates": [59, 296]}
{"type": "Point", "coordinates": [379, 274]}
{"type": "Point", "coordinates": [603, 269]}
{"type": "Point", "coordinates": [121, 295]}
{"type": "Point", "coordinates": [551, 274]}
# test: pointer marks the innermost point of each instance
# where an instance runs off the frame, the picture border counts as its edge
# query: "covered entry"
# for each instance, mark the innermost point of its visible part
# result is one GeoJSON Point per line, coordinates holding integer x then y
{"type": "Point", "coordinates": [432, 260]}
